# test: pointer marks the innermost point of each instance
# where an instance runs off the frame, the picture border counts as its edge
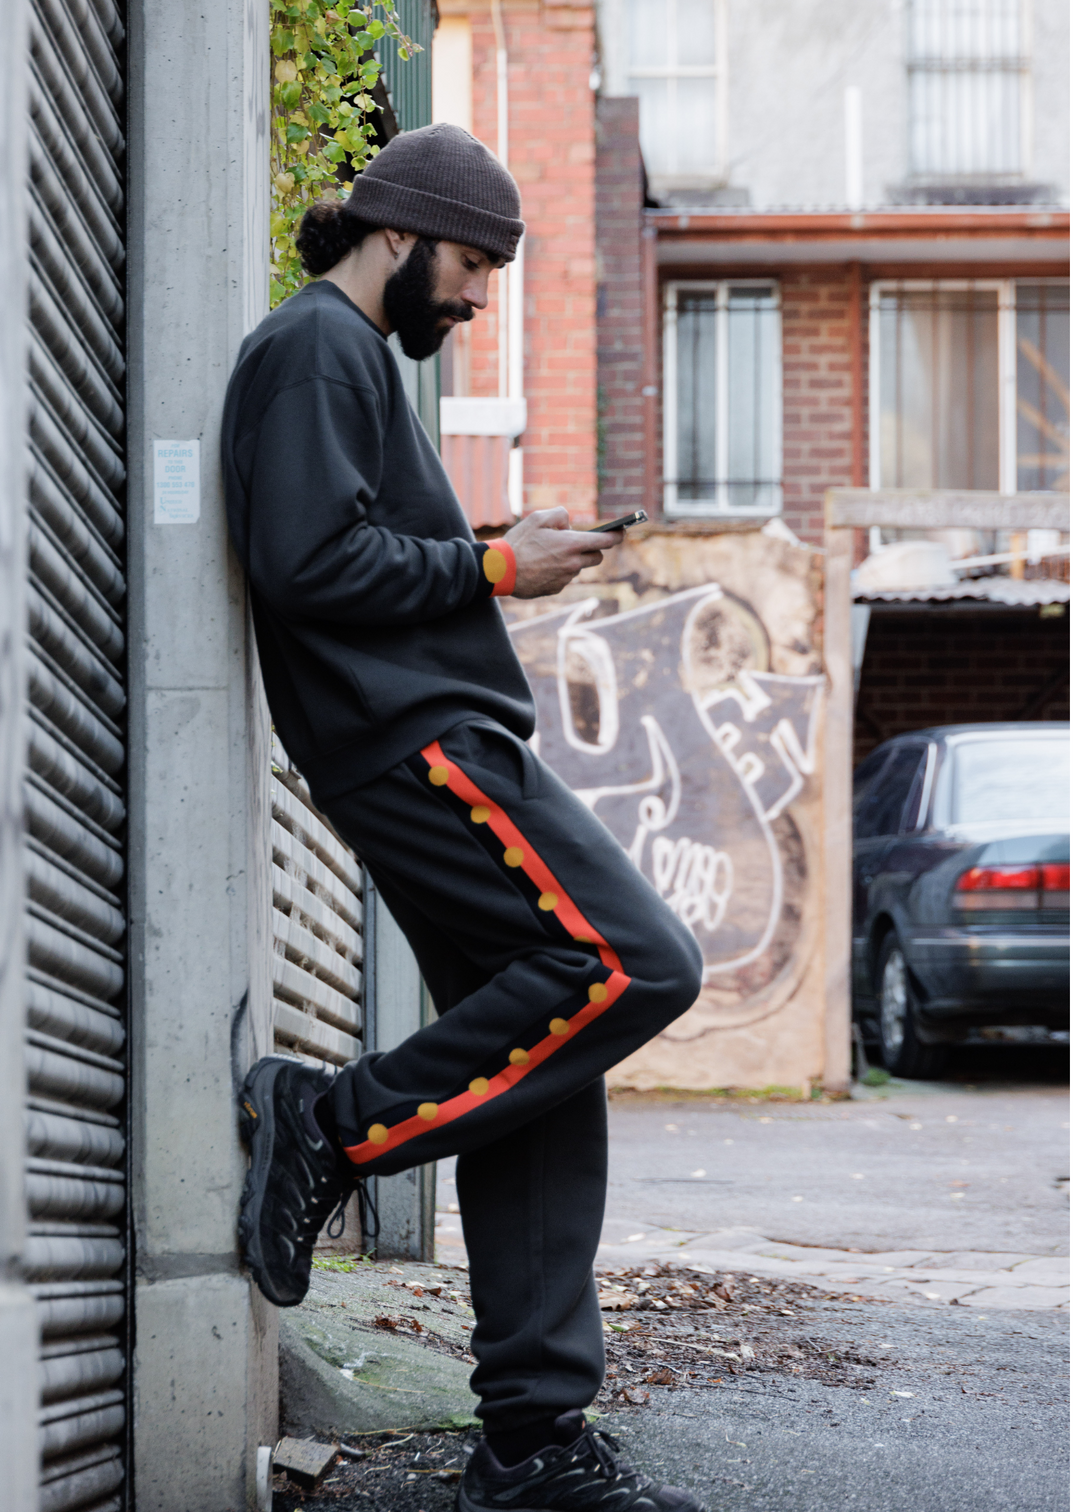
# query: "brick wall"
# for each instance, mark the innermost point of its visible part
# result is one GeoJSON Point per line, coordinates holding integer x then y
{"type": "Point", "coordinates": [552, 151]}
{"type": "Point", "coordinates": [619, 306]}
{"type": "Point", "coordinates": [934, 667]}
{"type": "Point", "coordinates": [818, 409]}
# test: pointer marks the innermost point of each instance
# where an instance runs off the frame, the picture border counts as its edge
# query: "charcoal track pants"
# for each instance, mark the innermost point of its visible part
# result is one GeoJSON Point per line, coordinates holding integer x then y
{"type": "Point", "coordinates": [549, 959]}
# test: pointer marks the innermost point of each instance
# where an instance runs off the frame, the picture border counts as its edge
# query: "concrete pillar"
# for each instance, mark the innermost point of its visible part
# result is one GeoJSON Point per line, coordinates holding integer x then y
{"type": "Point", "coordinates": [205, 1359]}
{"type": "Point", "coordinates": [18, 1320]}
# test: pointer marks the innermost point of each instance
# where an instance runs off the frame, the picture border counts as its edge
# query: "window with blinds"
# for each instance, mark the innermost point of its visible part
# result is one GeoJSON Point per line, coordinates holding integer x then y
{"type": "Point", "coordinates": [969, 384]}
{"type": "Point", "coordinates": [968, 74]}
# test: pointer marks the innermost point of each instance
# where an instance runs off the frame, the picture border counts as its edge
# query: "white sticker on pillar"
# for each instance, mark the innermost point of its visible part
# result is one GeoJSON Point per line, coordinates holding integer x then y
{"type": "Point", "coordinates": [176, 482]}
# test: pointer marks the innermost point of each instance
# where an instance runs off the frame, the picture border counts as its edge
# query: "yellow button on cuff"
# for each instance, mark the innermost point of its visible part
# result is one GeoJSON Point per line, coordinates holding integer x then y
{"type": "Point", "coordinates": [494, 566]}
{"type": "Point", "coordinates": [598, 993]}
{"type": "Point", "coordinates": [559, 1026]}
{"type": "Point", "coordinates": [513, 856]}
{"type": "Point", "coordinates": [438, 776]}
{"type": "Point", "coordinates": [480, 814]}
{"type": "Point", "coordinates": [378, 1134]}
{"type": "Point", "coordinates": [548, 901]}
{"type": "Point", "coordinates": [479, 1087]}
{"type": "Point", "coordinates": [519, 1057]}
{"type": "Point", "coordinates": [427, 1111]}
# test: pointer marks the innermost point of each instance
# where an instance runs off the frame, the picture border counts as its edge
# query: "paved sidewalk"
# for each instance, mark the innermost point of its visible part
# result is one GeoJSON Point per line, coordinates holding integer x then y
{"type": "Point", "coordinates": [933, 1193]}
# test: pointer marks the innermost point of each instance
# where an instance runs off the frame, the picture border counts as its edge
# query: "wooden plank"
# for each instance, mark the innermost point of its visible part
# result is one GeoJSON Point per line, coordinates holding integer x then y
{"type": "Point", "coordinates": [304, 1460]}
{"type": "Point", "coordinates": [938, 509]}
{"type": "Point", "coordinates": [836, 802]}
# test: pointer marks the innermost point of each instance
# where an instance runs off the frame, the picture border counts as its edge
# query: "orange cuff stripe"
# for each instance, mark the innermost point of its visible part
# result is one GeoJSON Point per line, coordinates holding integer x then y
{"type": "Point", "coordinates": [565, 910]}
{"type": "Point", "coordinates": [465, 1102]}
{"type": "Point", "coordinates": [500, 568]}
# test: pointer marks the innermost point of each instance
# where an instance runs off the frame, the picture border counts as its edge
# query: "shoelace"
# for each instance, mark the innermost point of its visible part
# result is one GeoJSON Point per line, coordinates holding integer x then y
{"type": "Point", "coordinates": [599, 1443]}
{"type": "Point", "coordinates": [369, 1214]}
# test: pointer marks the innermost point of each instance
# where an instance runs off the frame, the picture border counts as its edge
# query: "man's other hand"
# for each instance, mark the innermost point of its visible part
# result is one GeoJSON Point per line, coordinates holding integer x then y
{"type": "Point", "coordinates": [549, 554]}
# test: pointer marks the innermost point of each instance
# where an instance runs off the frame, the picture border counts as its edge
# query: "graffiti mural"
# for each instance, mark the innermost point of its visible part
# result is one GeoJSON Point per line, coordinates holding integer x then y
{"type": "Point", "coordinates": [662, 709]}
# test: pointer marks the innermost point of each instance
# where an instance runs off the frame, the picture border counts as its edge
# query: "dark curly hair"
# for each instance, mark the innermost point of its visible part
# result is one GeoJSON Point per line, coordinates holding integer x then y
{"type": "Point", "coordinates": [327, 232]}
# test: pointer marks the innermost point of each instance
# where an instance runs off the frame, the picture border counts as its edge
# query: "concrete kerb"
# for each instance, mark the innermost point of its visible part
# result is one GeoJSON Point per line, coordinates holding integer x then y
{"type": "Point", "coordinates": [345, 1368]}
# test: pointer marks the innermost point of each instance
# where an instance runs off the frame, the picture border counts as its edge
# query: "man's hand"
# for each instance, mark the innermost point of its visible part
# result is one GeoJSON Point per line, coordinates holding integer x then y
{"type": "Point", "coordinates": [549, 554]}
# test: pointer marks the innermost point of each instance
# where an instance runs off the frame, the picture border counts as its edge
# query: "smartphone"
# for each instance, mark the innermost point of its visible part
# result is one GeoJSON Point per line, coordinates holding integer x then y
{"type": "Point", "coordinates": [639, 517]}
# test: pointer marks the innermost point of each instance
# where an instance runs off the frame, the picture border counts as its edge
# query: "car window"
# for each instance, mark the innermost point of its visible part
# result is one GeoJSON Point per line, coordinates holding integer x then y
{"type": "Point", "coordinates": [1012, 779]}
{"type": "Point", "coordinates": [913, 802]}
{"type": "Point", "coordinates": [879, 813]}
{"type": "Point", "coordinates": [866, 775]}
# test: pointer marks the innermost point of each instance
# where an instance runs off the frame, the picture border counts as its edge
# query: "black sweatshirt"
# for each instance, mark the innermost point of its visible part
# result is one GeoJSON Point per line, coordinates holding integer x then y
{"type": "Point", "coordinates": [375, 620]}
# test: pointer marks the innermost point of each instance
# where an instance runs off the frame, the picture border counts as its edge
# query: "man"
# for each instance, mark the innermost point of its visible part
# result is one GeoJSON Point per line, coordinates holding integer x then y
{"type": "Point", "coordinates": [394, 687]}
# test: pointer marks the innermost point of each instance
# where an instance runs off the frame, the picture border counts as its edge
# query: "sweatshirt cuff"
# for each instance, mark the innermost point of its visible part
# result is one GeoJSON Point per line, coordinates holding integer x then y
{"type": "Point", "coordinates": [498, 569]}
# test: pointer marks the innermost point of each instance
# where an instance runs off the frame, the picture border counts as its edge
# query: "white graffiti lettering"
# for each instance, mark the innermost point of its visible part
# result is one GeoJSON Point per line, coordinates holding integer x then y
{"type": "Point", "coordinates": [695, 880]}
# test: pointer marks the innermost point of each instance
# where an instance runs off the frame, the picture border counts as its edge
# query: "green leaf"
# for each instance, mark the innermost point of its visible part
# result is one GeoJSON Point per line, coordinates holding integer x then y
{"type": "Point", "coordinates": [376, 29]}
{"type": "Point", "coordinates": [334, 152]}
{"type": "Point", "coordinates": [403, 52]}
{"type": "Point", "coordinates": [296, 132]}
{"type": "Point", "coordinates": [290, 94]}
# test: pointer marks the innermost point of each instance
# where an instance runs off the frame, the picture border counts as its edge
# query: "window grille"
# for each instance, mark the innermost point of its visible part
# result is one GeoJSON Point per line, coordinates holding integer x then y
{"type": "Point", "coordinates": [967, 77]}
{"type": "Point", "coordinates": [722, 403]}
{"type": "Point", "coordinates": [969, 384]}
{"type": "Point", "coordinates": [671, 58]}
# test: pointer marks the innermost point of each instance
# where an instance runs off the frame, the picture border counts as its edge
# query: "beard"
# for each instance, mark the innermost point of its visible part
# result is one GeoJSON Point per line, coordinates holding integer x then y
{"type": "Point", "coordinates": [412, 309]}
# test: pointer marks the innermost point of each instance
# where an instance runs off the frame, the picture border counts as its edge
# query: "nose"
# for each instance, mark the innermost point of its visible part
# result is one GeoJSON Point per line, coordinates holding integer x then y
{"type": "Point", "coordinates": [475, 291]}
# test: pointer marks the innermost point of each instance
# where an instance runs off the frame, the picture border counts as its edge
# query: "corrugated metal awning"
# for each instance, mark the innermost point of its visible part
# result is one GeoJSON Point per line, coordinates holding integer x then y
{"type": "Point", "coordinates": [1013, 592]}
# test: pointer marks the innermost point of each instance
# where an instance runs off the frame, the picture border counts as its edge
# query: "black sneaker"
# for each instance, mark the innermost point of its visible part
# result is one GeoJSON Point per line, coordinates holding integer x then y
{"type": "Point", "coordinates": [575, 1473]}
{"type": "Point", "coordinates": [296, 1178]}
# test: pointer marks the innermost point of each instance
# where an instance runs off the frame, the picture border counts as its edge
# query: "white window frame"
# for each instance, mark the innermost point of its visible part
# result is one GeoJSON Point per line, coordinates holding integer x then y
{"type": "Point", "coordinates": [1006, 334]}
{"type": "Point", "coordinates": [620, 71]}
{"type": "Point", "coordinates": [673, 506]}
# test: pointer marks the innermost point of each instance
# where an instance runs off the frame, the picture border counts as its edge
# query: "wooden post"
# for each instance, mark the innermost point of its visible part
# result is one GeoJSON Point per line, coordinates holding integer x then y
{"type": "Point", "coordinates": [836, 794]}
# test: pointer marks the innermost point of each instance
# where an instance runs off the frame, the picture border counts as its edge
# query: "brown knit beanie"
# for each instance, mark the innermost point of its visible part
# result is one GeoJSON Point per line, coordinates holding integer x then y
{"type": "Point", "coordinates": [441, 182]}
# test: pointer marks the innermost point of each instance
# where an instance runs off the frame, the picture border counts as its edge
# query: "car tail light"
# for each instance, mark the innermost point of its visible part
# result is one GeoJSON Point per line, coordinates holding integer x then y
{"type": "Point", "coordinates": [995, 878]}
{"type": "Point", "coordinates": [1014, 887]}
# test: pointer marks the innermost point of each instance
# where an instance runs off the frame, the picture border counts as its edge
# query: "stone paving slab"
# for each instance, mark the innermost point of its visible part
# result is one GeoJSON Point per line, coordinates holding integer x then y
{"type": "Point", "coordinates": [964, 1277]}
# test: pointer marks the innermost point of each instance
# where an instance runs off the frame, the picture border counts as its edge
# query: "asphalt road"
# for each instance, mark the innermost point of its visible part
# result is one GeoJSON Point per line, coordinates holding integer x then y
{"type": "Point", "coordinates": [979, 1166]}
{"type": "Point", "coordinates": [972, 1416]}
{"type": "Point", "coordinates": [956, 1412]}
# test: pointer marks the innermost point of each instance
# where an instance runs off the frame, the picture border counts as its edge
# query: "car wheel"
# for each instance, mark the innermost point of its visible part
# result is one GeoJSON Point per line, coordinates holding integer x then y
{"type": "Point", "coordinates": [902, 1052]}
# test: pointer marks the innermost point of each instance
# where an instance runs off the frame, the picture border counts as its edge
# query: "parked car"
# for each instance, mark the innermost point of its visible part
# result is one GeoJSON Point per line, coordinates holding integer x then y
{"type": "Point", "coordinates": [961, 887]}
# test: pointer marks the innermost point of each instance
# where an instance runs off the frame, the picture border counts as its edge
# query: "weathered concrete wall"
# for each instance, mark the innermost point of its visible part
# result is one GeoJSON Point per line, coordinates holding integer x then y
{"type": "Point", "coordinates": [680, 692]}
{"type": "Point", "coordinates": [205, 1359]}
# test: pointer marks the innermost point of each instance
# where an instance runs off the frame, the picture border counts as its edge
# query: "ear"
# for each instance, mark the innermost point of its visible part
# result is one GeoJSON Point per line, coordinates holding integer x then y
{"type": "Point", "coordinates": [400, 243]}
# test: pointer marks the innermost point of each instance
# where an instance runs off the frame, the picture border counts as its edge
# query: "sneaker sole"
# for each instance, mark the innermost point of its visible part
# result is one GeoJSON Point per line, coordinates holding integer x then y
{"type": "Point", "coordinates": [466, 1504]}
{"type": "Point", "coordinates": [257, 1132]}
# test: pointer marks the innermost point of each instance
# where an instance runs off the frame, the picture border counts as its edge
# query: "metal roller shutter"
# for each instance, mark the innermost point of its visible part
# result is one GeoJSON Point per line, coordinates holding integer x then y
{"type": "Point", "coordinates": [318, 927]}
{"type": "Point", "coordinates": [74, 794]}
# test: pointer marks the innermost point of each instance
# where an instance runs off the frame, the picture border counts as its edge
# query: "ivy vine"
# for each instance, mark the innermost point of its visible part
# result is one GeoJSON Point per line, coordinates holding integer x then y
{"type": "Point", "coordinates": [323, 71]}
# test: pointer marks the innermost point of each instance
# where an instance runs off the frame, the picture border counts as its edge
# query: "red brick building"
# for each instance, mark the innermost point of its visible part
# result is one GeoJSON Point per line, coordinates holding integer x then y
{"type": "Point", "coordinates": [714, 362]}
{"type": "Point", "coordinates": [543, 350]}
